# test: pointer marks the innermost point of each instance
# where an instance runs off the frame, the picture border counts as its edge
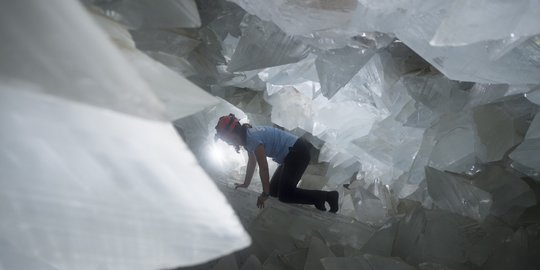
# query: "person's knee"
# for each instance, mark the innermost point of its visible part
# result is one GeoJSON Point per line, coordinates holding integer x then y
{"type": "Point", "coordinates": [284, 197]}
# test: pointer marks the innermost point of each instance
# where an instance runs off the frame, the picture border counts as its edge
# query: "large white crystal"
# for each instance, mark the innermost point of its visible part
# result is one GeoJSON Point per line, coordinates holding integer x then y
{"type": "Point", "coordinates": [509, 192]}
{"type": "Point", "coordinates": [148, 14]}
{"type": "Point", "coordinates": [337, 67]}
{"type": "Point", "coordinates": [169, 42]}
{"type": "Point", "coordinates": [263, 45]}
{"type": "Point", "coordinates": [291, 109]}
{"type": "Point", "coordinates": [297, 17]}
{"type": "Point", "coordinates": [454, 148]}
{"type": "Point", "coordinates": [317, 249]}
{"type": "Point", "coordinates": [527, 153]}
{"type": "Point", "coordinates": [180, 96]}
{"type": "Point", "coordinates": [59, 47]}
{"type": "Point", "coordinates": [467, 20]}
{"type": "Point", "coordinates": [456, 195]}
{"type": "Point", "coordinates": [496, 132]}
{"type": "Point", "coordinates": [85, 187]}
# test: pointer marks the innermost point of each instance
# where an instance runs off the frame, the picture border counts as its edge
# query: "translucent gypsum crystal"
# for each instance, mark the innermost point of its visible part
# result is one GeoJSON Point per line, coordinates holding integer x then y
{"type": "Point", "coordinates": [252, 263]}
{"type": "Point", "coordinates": [454, 194]}
{"type": "Point", "coordinates": [444, 237]}
{"type": "Point", "coordinates": [368, 84]}
{"type": "Point", "coordinates": [226, 263]}
{"type": "Point", "coordinates": [454, 146]}
{"type": "Point", "coordinates": [228, 45]}
{"type": "Point", "coordinates": [86, 69]}
{"type": "Point", "coordinates": [337, 67]}
{"type": "Point", "coordinates": [148, 14]}
{"type": "Point", "coordinates": [243, 79]}
{"type": "Point", "coordinates": [81, 183]}
{"type": "Point", "coordinates": [297, 222]}
{"type": "Point", "coordinates": [382, 191]}
{"type": "Point", "coordinates": [415, 22]}
{"type": "Point", "coordinates": [178, 64]}
{"type": "Point", "coordinates": [473, 21]}
{"type": "Point", "coordinates": [525, 170]}
{"type": "Point", "coordinates": [380, 262]}
{"type": "Point", "coordinates": [330, 39]}
{"type": "Point", "coordinates": [299, 17]}
{"type": "Point", "coordinates": [480, 68]}
{"type": "Point", "coordinates": [222, 16]}
{"type": "Point", "coordinates": [406, 244]}
{"type": "Point", "coordinates": [512, 254]}
{"type": "Point", "coordinates": [433, 266]}
{"type": "Point", "coordinates": [397, 148]}
{"type": "Point", "coordinates": [382, 240]}
{"type": "Point", "coordinates": [314, 177]}
{"type": "Point", "coordinates": [291, 74]}
{"type": "Point", "coordinates": [263, 44]}
{"type": "Point", "coordinates": [346, 207]}
{"type": "Point", "coordinates": [274, 262]}
{"type": "Point", "coordinates": [206, 57]}
{"type": "Point", "coordinates": [339, 174]}
{"type": "Point", "coordinates": [527, 153]}
{"type": "Point", "coordinates": [482, 94]}
{"type": "Point", "coordinates": [534, 95]}
{"type": "Point", "coordinates": [317, 250]}
{"type": "Point", "coordinates": [342, 122]}
{"type": "Point", "coordinates": [296, 259]}
{"type": "Point", "coordinates": [481, 250]}
{"type": "Point", "coordinates": [180, 96]}
{"type": "Point", "coordinates": [13, 258]}
{"type": "Point", "coordinates": [346, 263]}
{"type": "Point", "coordinates": [396, 97]}
{"type": "Point", "coordinates": [421, 117]}
{"type": "Point", "coordinates": [291, 109]}
{"type": "Point", "coordinates": [499, 48]}
{"type": "Point", "coordinates": [166, 41]}
{"type": "Point", "coordinates": [369, 208]}
{"type": "Point", "coordinates": [431, 235]}
{"type": "Point", "coordinates": [408, 183]}
{"type": "Point", "coordinates": [495, 132]}
{"type": "Point", "coordinates": [436, 92]}
{"type": "Point", "coordinates": [421, 195]}
{"type": "Point", "coordinates": [365, 262]}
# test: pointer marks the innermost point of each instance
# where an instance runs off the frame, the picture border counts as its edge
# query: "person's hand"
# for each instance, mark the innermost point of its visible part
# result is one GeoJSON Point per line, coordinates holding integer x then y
{"type": "Point", "coordinates": [236, 185]}
{"type": "Point", "coordinates": [261, 200]}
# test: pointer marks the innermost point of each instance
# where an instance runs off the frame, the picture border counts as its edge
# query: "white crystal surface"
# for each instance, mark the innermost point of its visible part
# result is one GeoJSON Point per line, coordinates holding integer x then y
{"type": "Point", "coordinates": [421, 114]}
{"type": "Point", "coordinates": [105, 189]}
{"type": "Point", "coordinates": [457, 196]}
{"type": "Point", "coordinates": [77, 62]}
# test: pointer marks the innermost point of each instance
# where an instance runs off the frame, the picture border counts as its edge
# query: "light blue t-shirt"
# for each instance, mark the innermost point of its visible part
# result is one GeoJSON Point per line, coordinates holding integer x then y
{"type": "Point", "coordinates": [276, 142]}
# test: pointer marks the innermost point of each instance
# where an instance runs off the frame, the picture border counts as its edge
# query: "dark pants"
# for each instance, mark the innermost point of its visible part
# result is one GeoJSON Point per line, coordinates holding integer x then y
{"type": "Point", "coordinates": [286, 177]}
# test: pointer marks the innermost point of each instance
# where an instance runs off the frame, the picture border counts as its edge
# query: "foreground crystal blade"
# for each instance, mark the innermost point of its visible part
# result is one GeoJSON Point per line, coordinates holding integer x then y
{"type": "Point", "coordinates": [84, 187]}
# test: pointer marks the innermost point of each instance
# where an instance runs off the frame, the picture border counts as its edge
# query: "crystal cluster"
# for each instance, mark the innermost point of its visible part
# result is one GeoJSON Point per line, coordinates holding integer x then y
{"type": "Point", "coordinates": [423, 115]}
{"type": "Point", "coordinates": [93, 174]}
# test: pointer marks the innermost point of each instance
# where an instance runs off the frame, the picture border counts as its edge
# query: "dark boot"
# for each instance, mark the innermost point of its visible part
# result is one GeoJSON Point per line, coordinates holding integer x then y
{"type": "Point", "coordinates": [320, 206]}
{"type": "Point", "coordinates": [332, 197]}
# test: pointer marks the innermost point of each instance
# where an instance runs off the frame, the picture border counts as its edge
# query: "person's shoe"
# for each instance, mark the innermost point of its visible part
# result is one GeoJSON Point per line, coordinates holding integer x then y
{"type": "Point", "coordinates": [320, 206]}
{"type": "Point", "coordinates": [332, 197]}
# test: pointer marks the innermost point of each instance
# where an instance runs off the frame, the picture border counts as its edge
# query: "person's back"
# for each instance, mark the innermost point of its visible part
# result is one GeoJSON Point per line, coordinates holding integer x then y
{"type": "Point", "coordinates": [276, 142]}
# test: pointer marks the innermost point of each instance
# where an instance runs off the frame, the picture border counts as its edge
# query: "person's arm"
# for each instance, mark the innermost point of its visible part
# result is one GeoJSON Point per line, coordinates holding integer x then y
{"type": "Point", "coordinates": [260, 155]}
{"type": "Point", "coordinates": [250, 169]}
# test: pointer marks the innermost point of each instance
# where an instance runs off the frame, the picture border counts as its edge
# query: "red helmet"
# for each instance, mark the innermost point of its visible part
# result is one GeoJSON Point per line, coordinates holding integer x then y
{"type": "Point", "coordinates": [226, 125]}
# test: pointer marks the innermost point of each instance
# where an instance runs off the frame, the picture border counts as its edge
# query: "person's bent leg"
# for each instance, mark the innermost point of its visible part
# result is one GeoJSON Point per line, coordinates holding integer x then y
{"type": "Point", "coordinates": [274, 182]}
{"type": "Point", "coordinates": [294, 167]}
{"type": "Point", "coordinates": [305, 196]}
{"type": "Point", "coordinates": [292, 170]}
